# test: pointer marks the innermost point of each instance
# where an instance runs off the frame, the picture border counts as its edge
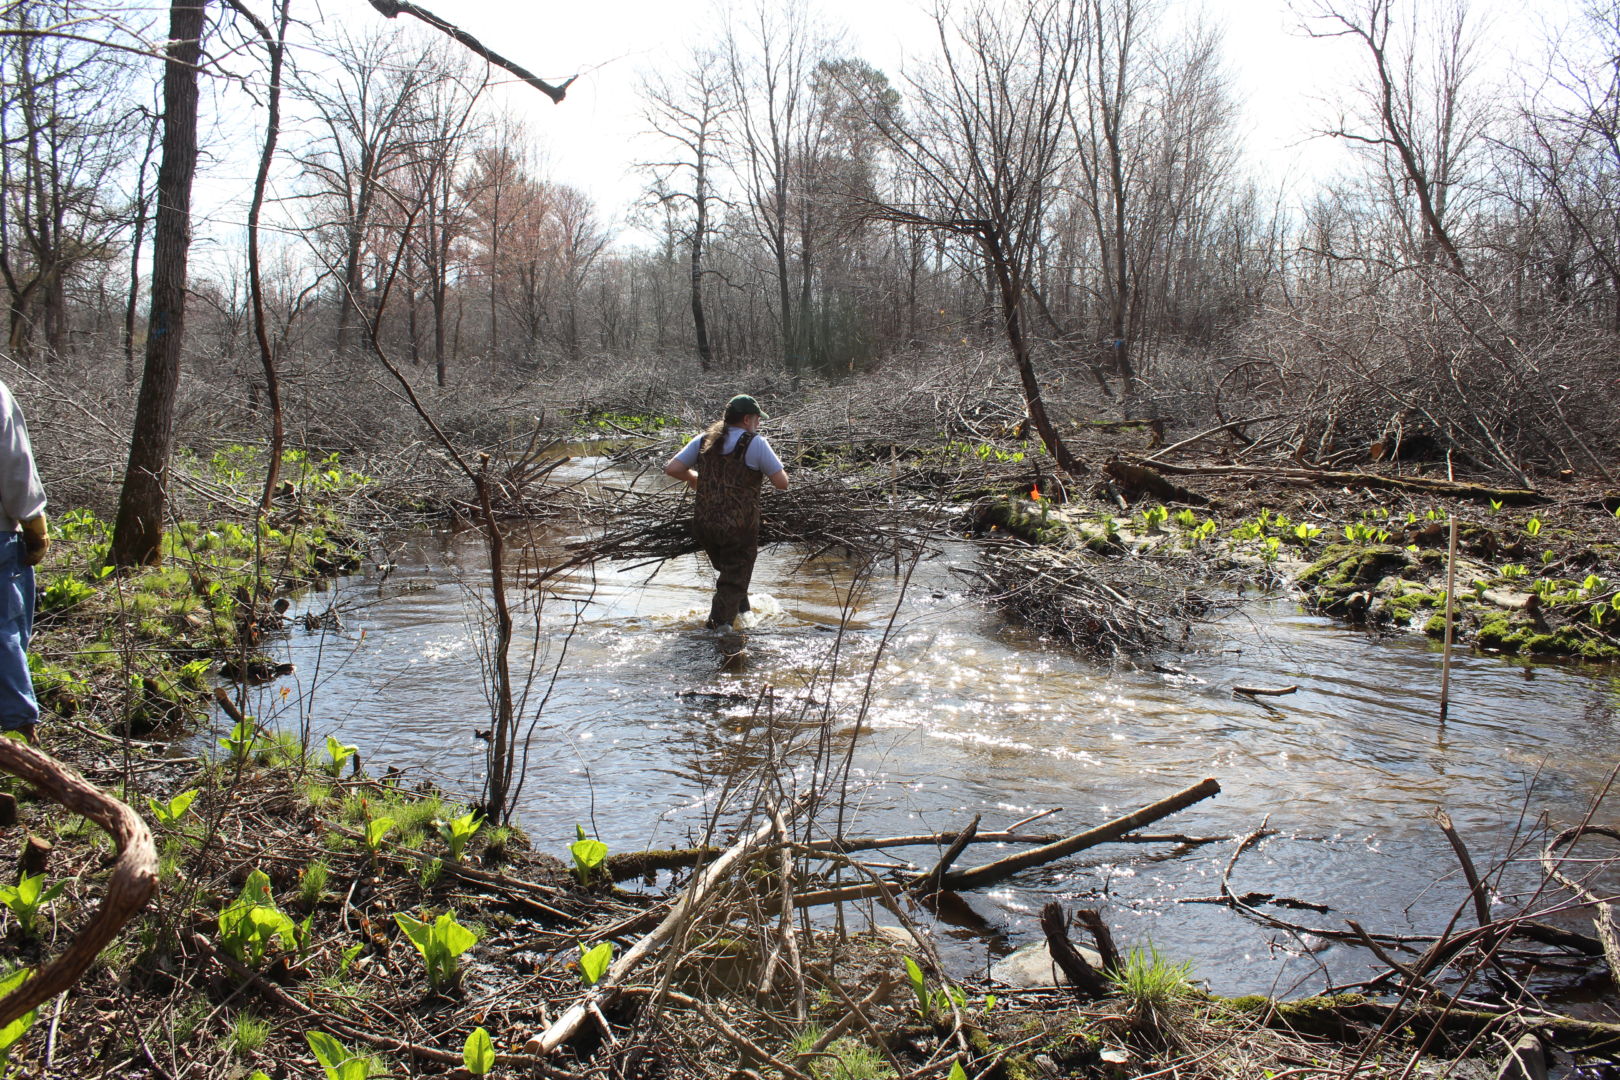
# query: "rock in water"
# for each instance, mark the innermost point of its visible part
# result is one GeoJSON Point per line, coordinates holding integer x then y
{"type": "Point", "coordinates": [1031, 966]}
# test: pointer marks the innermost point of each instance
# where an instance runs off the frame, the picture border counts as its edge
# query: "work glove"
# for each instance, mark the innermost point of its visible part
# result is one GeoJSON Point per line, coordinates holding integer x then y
{"type": "Point", "coordinates": [36, 540]}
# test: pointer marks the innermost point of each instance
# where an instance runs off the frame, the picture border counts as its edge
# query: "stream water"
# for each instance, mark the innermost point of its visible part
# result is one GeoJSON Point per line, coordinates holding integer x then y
{"type": "Point", "coordinates": [640, 730]}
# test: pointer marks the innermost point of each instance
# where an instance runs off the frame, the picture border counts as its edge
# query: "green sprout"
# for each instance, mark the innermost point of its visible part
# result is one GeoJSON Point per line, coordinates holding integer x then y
{"type": "Point", "coordinates": [168, 813]}
{"type": "Point", "coordinates": [457, 832]}
{"type": "Point", "coordinates": [376, 830]}
{"type": "Point", "coordinates": [339, 755]}
{"type": "Point", "coordinates": [478, 1055]}
{"type": "Point", "coordinates": [441, 943]}
{"type": "Point", "coordinates": [252, 921]}
{"type": "Point", "coordinates": [336, 1060]}
{"type": "Point", "coordinates": [239, 743]}
{"type": "Point", "coordinates": [594, 961]}
{"type": "Point", "coordinates": [18, 1027]}
{"type": "Point", "coordinates": [27, 897]}
{"type": "Point", "coordinates": [588, 855]}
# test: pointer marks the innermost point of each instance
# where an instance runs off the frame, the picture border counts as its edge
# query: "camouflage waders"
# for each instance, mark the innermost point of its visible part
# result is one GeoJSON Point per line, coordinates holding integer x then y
{"type": "Point", "coordinates": [726, 522]}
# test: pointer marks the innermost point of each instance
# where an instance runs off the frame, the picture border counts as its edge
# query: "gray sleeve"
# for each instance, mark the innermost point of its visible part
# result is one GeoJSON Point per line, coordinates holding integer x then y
{"type": "Point", "coordinates": [688, 454]}
{"type": "Point", "coordinates": [762, 457]}
{"type": "Point", "coordinates": [22, 496]}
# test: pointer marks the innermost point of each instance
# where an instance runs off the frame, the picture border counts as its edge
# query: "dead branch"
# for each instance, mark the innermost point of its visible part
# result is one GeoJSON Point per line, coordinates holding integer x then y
{"type": "Point", "coordinates": [1085, 979]}
{"type": "Point", "coordinates": [133, 880]}
{"type": "Point", "coordinates": [392, 8]}
{"type": "Point", "coordinates": [564, 1027]}
{"type": "Point", "coordinates": [1603, 910]}
{"type": "Point", "coordinates": [1102, 834]}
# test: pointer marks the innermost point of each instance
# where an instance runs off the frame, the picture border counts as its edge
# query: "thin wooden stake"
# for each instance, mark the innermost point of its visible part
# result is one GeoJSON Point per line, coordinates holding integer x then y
{"type": "Point", "coordinates": [1451, 619]}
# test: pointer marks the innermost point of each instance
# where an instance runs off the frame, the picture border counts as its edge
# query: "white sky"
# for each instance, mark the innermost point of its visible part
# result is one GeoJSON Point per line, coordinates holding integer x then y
{"type": "Point", "coordinates": [1284, 81]}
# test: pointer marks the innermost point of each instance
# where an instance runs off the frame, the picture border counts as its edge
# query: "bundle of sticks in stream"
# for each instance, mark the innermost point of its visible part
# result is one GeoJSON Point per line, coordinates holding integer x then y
{"type": "Point", "coordinates": [858, 518]}
{"type": "Point", "coordinates": [1109, 607]}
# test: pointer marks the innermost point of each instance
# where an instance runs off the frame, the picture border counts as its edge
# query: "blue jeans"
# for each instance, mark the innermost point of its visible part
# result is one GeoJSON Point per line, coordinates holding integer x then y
{"type": "Point", "coordinates": [17, 705]}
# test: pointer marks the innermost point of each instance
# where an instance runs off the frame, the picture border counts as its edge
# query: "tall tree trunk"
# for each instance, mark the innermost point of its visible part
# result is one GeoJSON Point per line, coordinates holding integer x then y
{"type": "Point", "coordinates": [138, 530]}
{"type": "Point", "coordinates": [700, 226]}
{"type": "Point", "coordinates": [277, 46]}
{"type": "Point", "coordinates": [1009, 285]}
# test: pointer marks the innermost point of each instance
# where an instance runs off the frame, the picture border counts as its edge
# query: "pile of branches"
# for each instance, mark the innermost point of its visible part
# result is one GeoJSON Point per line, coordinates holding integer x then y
{"type": "Point", "coordinates": [1107, 608]}
{"type": "Point", "coordinates": [856, 516]}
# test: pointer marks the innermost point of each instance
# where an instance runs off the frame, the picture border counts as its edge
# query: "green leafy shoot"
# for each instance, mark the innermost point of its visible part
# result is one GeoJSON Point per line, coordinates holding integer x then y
{"type": "Point", "coordinates": [168, 813]}
{"type": "Point", "coordinates": [18, 1027]}
{"type": "Point", "coordinates": [458, 832]}
{"type": "Point", "coordinates": [27, 897]}
{"type": "Point", "coordinates": [594, 962]}
{"type": "Point", "coordinates": [919, 985]}
{"type": "Point", "coordinates": [1186, 518]}
{"type": "Point", "coordinates": [339, 755]}
{"type": "Point", "coordinates": [478, 1055]}
{"type": "Point", "coordinates": [588, 855]}
{"type": "Point", "coordinates": [336, 1059]}
{"type": "Point", "coordinates": [1496, 506]}
{"type": "Point", "coordinates": [441, 944]}
{"type": "Point", "coordinates": [376, 830]}
{"type": "Point", "coordinates": [1532, 527]}
{"type": "Point", "coordinates": [957, 1072]}
{"type": "Point", "coordinates": [239, 743]}
{"type": "Point", "coordinates": [252, 921]}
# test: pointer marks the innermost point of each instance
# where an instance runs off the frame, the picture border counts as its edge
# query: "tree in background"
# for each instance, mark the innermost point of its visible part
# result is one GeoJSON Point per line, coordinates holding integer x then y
{"type": "Point", "coordinates": [142, 504]}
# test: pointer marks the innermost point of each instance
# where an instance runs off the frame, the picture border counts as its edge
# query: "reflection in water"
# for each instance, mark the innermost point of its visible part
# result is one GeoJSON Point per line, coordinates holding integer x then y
{"type": "Point", "coordinates": [640, 731]}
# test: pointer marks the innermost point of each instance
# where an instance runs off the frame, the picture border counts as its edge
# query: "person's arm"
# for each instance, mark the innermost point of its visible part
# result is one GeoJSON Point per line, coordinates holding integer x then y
{"type": "Point", "coordinates": [779, 479]}
{"type": "Point", "coordinates": [680, 466]}
{"type": "Point", "coordinates": [680, 470]}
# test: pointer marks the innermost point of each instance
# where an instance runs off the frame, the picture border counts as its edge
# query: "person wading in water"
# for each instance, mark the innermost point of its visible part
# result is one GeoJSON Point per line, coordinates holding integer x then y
{"type": "Point", "coordinates": [725, 465]}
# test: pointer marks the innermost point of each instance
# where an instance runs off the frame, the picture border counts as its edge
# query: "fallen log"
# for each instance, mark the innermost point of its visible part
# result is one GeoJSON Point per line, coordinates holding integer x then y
{"type": "Point", "coordinates": [1005, 867]}
{"type": "Point", "coordinates": [133, 880]}
{"type": "Point", "coordinates": [1133, 478]}
{"type": "Point", "coordinates": [1264, 691]}
{"type": "Point", "coordinates": [1472, 492]}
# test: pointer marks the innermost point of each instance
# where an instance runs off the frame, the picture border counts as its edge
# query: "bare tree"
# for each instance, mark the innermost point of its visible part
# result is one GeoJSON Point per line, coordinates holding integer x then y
{"type": "Point", "coordinates": [984, 150]}
{"type": "Point", "coordinates": [62, 140]}
{"type": "Point", "coordinates": [1420, 123]}
{"type": "Point", "coordinates": [369, 112]}
{"type": "Point", "coordinates": [770, 69]}
{"type": "Point", "coordinates": [689, 115]}
{"type": "Point", "coordinates": [138, 529]}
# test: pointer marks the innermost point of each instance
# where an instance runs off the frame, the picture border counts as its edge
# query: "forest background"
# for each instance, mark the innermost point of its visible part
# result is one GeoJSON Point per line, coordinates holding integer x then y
{"type": "Point", "coordinates": [1078, 180]}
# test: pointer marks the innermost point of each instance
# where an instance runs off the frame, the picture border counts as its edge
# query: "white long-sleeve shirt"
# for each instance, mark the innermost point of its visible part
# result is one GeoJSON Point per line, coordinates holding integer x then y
{"type": "Point", "coordinates": [22, 496]}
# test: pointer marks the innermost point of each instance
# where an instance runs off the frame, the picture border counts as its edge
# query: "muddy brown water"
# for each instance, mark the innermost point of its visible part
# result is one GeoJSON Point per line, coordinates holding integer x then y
{"type": "Point", "coordinates": [640, 730]}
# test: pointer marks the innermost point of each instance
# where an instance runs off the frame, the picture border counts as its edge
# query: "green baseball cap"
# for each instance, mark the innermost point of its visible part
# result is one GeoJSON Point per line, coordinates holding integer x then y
{"type": "Point", "coordinates": [745, 405]}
